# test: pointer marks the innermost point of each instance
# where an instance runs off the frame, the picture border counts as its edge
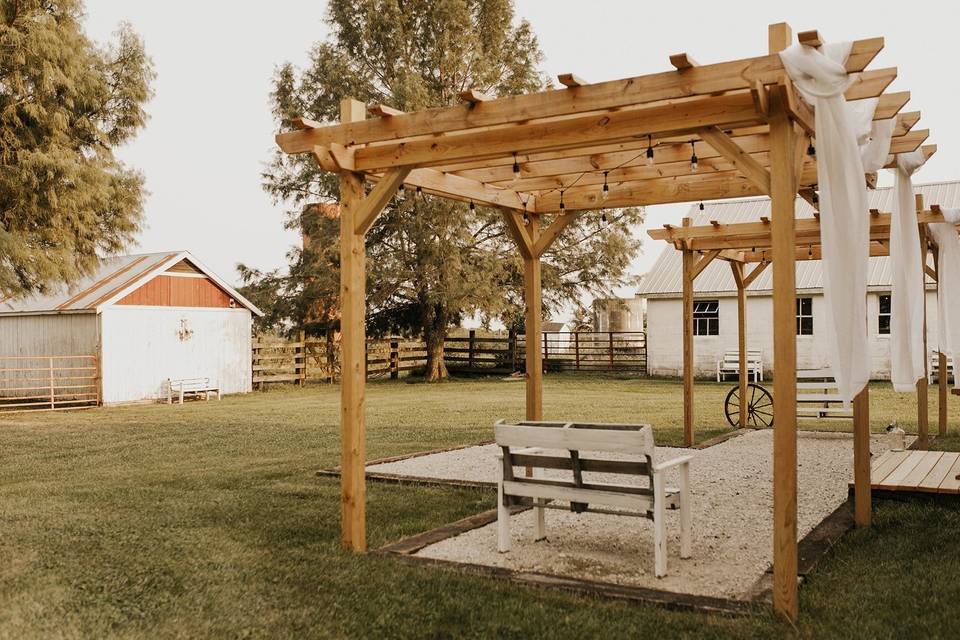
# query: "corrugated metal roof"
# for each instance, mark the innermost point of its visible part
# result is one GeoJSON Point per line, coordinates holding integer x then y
{"type": "Point", "coordinates": [664, 278]}
{"type": "Point", "coordinates": [114, 277]}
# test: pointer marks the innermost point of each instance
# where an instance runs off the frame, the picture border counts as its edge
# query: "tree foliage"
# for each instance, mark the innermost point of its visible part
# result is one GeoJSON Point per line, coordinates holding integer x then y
{"type": "Point", "coordinates": [65, 104]}
{"type": "Point", "coordinates": [431, 262]}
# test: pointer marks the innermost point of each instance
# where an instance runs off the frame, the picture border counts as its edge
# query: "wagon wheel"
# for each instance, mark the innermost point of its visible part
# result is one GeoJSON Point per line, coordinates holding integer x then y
{"type": "Point", "coordinates": [759, 406]}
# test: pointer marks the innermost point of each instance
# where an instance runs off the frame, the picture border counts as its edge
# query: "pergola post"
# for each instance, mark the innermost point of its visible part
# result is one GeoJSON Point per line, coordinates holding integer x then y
{"type": "Point", "coordinates": [923, 407]}
{"type": "Point", "coordinates": [737, 268]}
{"type": "Point", "coordinates": [532, 322]}
{"type": "Point", "coordinates": [783, 191]}
{"type": "Point", "coordinates": [862, 497]}
{"type": "Point", "coordinates": [353, 337]}
{"type": "Point", "coordinates": [688, 262]}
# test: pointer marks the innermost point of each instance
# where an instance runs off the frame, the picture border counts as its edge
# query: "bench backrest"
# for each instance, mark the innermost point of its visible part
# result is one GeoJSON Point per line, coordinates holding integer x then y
{"type": "Point", "coordinates": [733, 357]}
{"type": "Point", "coordinates": [190, 383]}
{"type": "Point", "coordinates": [575, 438]}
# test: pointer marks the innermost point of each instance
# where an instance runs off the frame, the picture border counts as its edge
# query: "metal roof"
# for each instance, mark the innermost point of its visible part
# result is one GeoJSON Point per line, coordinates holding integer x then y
{"type": "Point", "coordinates": [664, 278]}
{"type": "Point", "coordinates": [114, 278]}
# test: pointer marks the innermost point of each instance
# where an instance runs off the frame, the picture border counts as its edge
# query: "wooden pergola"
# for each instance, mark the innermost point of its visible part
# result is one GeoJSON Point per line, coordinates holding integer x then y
{"type": "Point", "coordinates": [725, 130]}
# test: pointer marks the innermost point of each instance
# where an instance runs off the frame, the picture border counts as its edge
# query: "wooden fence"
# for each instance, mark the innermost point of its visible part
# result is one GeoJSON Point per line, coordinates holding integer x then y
{"type": "Point", "coordinates": [319, 359]}
{"type": "Point", "coordinates": [48, 383]}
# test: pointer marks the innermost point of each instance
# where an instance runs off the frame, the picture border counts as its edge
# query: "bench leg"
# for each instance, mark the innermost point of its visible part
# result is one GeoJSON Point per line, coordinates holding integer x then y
{"type": "Point", "coordinates": [659, 526]}
{"type": "Point", "coordinates": [503, 522]}
{"type": "Point", "coordinates": [181, 396]}
{"type": "Point", "coordinates": [685, 515]}
{"type": "Point", "coordinates": [540, 528]}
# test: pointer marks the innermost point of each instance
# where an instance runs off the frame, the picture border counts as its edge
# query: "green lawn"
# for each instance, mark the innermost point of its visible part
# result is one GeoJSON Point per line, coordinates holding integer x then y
{"type": "Point", "coordinates": [207, 520]}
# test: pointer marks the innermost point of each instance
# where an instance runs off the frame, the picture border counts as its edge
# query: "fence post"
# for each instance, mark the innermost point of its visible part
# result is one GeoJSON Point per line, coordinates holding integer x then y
{"type": "Point", "coordinates": [300, 357]}
{"type": "Point", "coordinates": [546, 352]}
{"type": "Point", "coordinates": [394, 359]}
{"type": "Point", "coordinates": [331, 357]}
{"type": "Point", "coordinates": [576, 349]}
{"type": "Point", "coordinates": [512, 345]}
{"type": "Point", "coordinates": [471, 346]}
{"type": "Point", "coordinates": [611, 351]}
{"type": "Point", "coordinates": [53, 398]}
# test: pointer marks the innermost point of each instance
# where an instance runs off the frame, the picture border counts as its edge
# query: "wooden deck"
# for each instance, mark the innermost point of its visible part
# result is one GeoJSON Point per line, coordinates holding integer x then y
{"type": "Point", "coordinates": [924, 471]}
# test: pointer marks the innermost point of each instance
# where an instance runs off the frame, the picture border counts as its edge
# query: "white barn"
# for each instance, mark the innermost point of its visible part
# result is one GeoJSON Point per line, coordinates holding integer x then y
{"type": "Point", "coordinates": [715, 298]}
{"type": "Point", "coordinates": [146, 318]}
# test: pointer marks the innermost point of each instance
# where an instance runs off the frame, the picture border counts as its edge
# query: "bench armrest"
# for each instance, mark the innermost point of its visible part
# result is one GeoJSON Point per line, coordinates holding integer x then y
{"type": "Point", "coordinates": [663, 466]}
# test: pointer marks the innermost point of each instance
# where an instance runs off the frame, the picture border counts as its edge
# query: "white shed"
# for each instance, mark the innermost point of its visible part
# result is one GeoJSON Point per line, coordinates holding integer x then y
{"type": "Point", "coordinates": [141, 319]}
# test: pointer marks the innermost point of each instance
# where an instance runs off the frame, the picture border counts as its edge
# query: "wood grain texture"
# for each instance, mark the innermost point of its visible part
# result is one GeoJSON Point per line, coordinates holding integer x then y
{"type": "Point", "coordinates": [176, 291]}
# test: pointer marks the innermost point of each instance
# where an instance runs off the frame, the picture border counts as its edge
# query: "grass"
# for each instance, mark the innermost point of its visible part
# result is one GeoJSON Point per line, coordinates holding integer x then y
{"type": "Point", "coordinates": [206, 521]}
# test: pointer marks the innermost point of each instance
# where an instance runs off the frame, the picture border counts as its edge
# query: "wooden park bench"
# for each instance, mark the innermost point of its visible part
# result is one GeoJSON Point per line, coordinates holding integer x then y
{"type": "Point", "coordinates": [190, 387]}
{"type": "Point", "coordinates": [818, 396]}
{"type": "Point", "coordinates": [730, 364]}
{"type": "Point", "coordinates": [934, 368]}
{"type": "Point", "coordinates": [538, 445]}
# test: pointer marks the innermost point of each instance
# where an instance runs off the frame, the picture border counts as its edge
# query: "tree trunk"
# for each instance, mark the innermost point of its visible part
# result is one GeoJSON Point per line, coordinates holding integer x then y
{"type": "Point", "coordinates": [435, 323]}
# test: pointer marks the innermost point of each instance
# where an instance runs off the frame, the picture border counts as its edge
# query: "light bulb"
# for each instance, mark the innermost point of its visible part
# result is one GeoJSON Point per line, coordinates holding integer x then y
{"type": "Point", "coordinates": [605, 192]}
{"type": "Point", "coordinates": [650, 160]}
{"type": "Point", "coordinates": [401, 194]}
{"type": "Point", "coordinates": [516, 168]}
{"type": "Point", "coordinates": [473, 207]}
{"type": "Point", "coordinates": [694, 163]}
{"type": "Point", "coordinates": [603, 216]}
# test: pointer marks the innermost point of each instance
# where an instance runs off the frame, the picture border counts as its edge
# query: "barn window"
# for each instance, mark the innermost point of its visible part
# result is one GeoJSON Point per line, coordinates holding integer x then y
{"type": "Point", "coordinates": [706, 318]}
{"type": "Point", "coordinates": [883, 318]}
{"type": "Point", "coordinates": [804, 316]}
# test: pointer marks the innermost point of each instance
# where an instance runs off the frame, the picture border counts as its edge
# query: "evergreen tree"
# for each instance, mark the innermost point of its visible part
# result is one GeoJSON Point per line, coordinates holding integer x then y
{"type": "Point", "coordinates": [65, 105]}
{"type": "Point", "coordinates": [431, 262]}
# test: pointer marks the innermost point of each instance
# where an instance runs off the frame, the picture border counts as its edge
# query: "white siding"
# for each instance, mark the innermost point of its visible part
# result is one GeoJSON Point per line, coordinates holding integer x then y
{"type": "Point", "coordinates": [665, 338]}
{"type": "Point", "coordinates": [142, 347]}
{"type": "Point", "coordinates": [62, 334]}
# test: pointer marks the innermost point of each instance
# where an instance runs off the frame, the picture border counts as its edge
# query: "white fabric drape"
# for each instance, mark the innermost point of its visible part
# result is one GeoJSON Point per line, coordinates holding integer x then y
{"type": "Point", "coordinates": [907, 293]}
{"type": "Point", "coordinates": [948, 293]}
{"type": "Point", "coordinates": [844, 223]}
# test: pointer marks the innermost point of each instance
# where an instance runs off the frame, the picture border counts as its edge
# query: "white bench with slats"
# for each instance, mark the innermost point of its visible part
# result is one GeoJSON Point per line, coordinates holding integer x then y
{"type": "Point", "coordinates": [190, 387]}
{"type": "Point", "coordinates": [934, 368]}
{"type": "Point", "coordinates": [730, 365]}
{"type": "Point", "coordinates": [818, 397]}
{"type": "Point", "coordinates": [534, 445]}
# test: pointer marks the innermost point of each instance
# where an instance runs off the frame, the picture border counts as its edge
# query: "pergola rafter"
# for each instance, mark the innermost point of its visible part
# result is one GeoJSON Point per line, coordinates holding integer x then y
{"type": "Point", "coordinates": [549, 153]}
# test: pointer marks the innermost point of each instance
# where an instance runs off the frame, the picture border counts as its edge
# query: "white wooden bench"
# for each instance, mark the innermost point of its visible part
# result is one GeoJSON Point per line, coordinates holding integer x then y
{"type": "Point", "coordinates": [557, 446]}
{"type": "Point", "coordinates": [190, 387]}
{"type": "Point", "coordinates": [818, 397]}
{"type": "Point", "coordinates": [934, 368]}
{"type": "Point", "coordinates": [730, 364]}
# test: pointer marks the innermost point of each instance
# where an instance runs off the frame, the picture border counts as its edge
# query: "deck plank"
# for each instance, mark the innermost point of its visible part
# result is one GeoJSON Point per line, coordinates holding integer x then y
{"type": "Point", "coordinates": [887, 463]}
{"type": "Point", "coordinates": [934, 479]}
{"type": "Point", "coordinates": [950, 483]}
{"type": "Point", "coordinates": [893, 480]}
{"type": "Point", "coordinates": [915, 477]}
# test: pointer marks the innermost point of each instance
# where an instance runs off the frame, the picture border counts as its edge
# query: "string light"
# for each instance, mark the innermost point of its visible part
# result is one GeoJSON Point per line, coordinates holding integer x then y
{"type": "Point", "coordinates": [473, 207]}
{"type": "Point", "coordinates": [516, 167]}
{"type": "Point", "coordinates": [419, 192]}
{"type": "Point", "coordinates": [694, 161]}
{"type": "Point", "coordinates": [810, 252]}
{"type": "Point", "coordinates": [701, 206]}
{"type": "Point", "coordinates": [401, 194]}
{"type": "Point", "coordinates": [562, 206]}
{"type": "Point", "coordinates": [811, 150]}
{"type": "Point", "coordinates": [650, 160]}
{"type": "Point", "coordinates": [605, 192]}
{"type": "Point", "coordinates": [526, 218]}
{"type": "Point", "coordinates": [603, 216]}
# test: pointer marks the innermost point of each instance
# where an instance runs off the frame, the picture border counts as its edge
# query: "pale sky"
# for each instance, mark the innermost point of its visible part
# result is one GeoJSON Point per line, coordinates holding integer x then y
{"type": "Point", "coordinates": [211, 131]}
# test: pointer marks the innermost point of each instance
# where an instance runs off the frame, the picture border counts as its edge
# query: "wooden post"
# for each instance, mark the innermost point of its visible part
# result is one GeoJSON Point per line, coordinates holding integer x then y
{"type": "Point", "coordinates": [532, 323]}
{"type": "Point", "coordinates": [923, 406]}
{"type": "Point", "coordinates": [737, 268]}
{"type": "Point", "coordinates": [353, 348]}
{"type": "Point", "coordinates": [394, 359]}
{"type": "Point", "coordinates": [942, 388]}
{"type": "Point", "coordinates": [300, 358]}
{"type": "Point", "coordinates": [611, 352]}
{"type": "Point", "coordinates": [783, 190]}
{"type": "Point", "coordinates": [688, 434]}
{"type": "Point", "coordinates": [512, 344]}
{"type": "Point", "coordinates": [331, 357]}
{"type": "Point", "coordinates": [53, 394]}
{"type": "Point", "coordinates": [576, 349]}
{"type": "Point", "coordinates": [545, 345]}
{"type": "Point", "coordinates": [471, 346]}
{"type": "Point", "coordinates": [861, 458]}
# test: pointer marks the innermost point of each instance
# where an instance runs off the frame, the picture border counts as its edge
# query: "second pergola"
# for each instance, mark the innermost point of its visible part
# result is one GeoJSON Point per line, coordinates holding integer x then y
{"type": "Point", "coordinates": [692, 133]}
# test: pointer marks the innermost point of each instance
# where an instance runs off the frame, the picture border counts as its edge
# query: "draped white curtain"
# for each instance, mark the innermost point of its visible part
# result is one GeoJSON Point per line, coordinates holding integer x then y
{"type": "Point", "coordinates": [907, 294]}
{"type": "Point", "coordinates": [844, 221]}
{"type": "Point", "coordinates": [948, 293]}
